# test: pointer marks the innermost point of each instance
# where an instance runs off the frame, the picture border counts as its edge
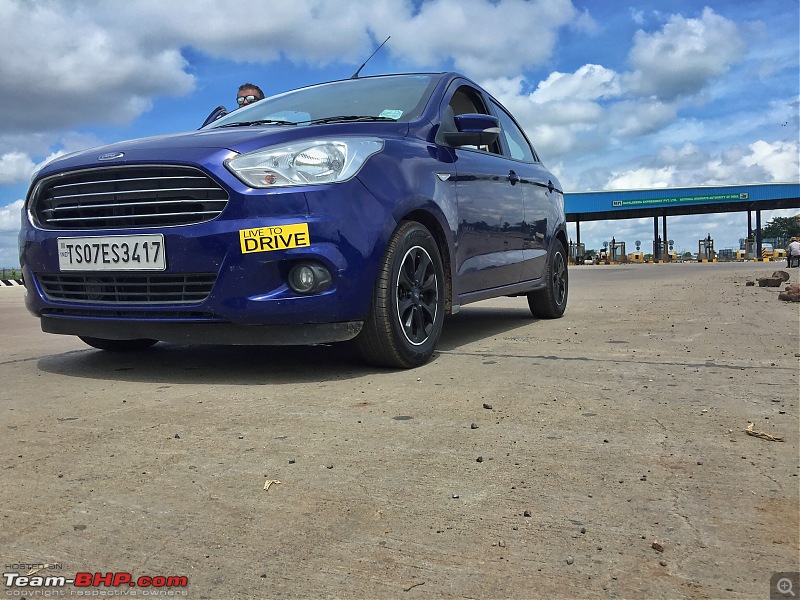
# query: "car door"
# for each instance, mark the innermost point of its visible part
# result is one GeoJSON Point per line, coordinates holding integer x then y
{"type": "Point", "coordinates": [535, 183]}
{"type": "Point", "coordinates": [490, 210]}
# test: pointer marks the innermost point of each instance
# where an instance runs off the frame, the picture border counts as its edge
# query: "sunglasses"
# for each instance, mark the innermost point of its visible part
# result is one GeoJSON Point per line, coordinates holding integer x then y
{"type": "Point", "coordinates": [243, 99]}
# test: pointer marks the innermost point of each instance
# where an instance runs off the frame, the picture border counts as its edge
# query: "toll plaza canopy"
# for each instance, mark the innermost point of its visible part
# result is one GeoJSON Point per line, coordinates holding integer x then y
{"type": "Point", "coordinates": [634, 204]}
{"type": "Point", "coordinates": [667, 202]}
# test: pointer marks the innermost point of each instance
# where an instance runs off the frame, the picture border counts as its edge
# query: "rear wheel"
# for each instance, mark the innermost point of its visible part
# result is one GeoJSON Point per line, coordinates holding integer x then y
{"type": "Point", "coordinates": [551, 301]}
{"type": "Point", "coordinates": [407, 312]}
{"type": "Point", "coordinates": [118, 345]}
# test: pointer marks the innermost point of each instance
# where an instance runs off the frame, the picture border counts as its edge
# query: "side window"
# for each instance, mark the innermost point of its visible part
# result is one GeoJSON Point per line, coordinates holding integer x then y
{"type": "Point", "coordinates": [466, 100]}
{"type": "Point", "coordinates": [517, 144]}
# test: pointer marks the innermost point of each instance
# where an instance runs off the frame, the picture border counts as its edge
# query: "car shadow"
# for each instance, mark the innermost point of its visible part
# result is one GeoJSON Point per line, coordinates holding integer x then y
{"type": "Point", "coordinates": [475, 323]}
{"type": "Point", "coordinates": [249, 365]}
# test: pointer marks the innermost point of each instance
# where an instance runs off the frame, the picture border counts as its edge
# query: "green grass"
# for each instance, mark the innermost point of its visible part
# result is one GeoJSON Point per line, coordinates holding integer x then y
{"type": "Point", "coordinates": [10, 273]}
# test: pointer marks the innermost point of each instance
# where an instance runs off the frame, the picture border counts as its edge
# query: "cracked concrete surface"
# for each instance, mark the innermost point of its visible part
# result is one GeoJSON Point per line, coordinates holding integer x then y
{"type": "Point", "coordinates": [620, 424]}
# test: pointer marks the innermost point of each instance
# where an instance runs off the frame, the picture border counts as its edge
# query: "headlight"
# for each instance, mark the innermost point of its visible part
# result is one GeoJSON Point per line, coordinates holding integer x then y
{"type": "Point", "coordinates": [310, 162]}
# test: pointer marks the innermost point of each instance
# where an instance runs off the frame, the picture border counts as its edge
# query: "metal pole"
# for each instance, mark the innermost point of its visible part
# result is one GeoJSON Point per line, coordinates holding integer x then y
{"type": "Point", "coordinates": [577, 232]}
{"type": "Point", "coordinates": [655, 240]}
{"type": "Point", "coordinates": [664, 227]}
{"type": "Point", "coordinates": [758, 234]}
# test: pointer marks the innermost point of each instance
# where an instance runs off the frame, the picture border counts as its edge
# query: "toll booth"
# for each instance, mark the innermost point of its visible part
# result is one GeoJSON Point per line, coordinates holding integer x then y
{"type": "Point", "coordinates": [616, 252]}
{"type": "Point", "coordinates": [577, 253]}
{"type": "Point", "coordinates": [750, 249]}
{"type": "Point", "coordinates": [636, 257]}
{"type": "Point", "coordinates": [705, 250]}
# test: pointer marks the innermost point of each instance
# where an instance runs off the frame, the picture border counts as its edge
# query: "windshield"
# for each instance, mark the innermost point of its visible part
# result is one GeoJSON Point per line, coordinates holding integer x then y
{"type": "Point", "coordinates": [385, 98]}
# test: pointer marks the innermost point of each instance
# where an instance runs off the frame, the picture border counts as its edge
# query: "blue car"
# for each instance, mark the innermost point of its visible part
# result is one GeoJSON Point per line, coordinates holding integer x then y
{"type": "Point", "coordinates": [365, 209]}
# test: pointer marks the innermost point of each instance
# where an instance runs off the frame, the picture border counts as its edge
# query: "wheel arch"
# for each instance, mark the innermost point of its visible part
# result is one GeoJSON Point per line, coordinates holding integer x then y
{"type": "Point", "coordinates": [561, 235]}
{"type": "Point", "coordinates": [433, 225]}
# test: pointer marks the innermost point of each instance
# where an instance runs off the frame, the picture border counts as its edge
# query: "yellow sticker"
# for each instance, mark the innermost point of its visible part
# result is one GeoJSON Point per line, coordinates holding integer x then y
{"type": "Point", "coordinates": [266, 239]}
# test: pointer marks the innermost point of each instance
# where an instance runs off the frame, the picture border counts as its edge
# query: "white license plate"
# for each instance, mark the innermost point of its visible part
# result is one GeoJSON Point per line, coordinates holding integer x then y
{"type": "Point", "coordinates": [112, 253]}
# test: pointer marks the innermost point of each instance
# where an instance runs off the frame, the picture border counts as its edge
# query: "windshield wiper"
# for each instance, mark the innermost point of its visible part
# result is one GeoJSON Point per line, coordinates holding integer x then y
{"type": "Point", "coordinates": [344, 119]}
{"type": "Point", "coordinates": [259, 122]}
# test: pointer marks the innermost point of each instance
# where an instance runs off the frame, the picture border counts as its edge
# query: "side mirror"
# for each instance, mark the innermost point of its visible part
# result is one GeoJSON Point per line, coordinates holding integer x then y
{"type": "Point", "coordinates": [472, 130]}
{"type": "Point", "coordinates": [218, 112]}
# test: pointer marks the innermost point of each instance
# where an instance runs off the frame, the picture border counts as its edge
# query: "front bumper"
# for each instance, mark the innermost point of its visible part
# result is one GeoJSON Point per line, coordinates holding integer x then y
{"type": "Point", "coordinates": [250, 301]}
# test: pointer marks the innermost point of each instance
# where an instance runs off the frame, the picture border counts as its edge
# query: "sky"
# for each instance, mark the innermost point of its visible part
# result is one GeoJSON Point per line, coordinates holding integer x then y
{"type": "Point", "coordinates": [612, 94]}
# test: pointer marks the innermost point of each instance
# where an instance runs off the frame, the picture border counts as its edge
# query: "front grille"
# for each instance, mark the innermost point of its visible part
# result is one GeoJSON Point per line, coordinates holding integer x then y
{"type": "Point", "coordinates": [125, 197]}
{"type": "Point", "coordinates": [159, 288]}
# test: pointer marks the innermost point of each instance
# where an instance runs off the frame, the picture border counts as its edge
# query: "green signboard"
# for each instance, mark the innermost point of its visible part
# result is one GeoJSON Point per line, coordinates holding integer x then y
{"type": "Point", "coordinates": [683, 200]}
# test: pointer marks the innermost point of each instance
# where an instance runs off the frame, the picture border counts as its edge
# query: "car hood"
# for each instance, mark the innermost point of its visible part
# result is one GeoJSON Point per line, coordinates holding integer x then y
{"type": "Point", "coordinates": [208, 145]}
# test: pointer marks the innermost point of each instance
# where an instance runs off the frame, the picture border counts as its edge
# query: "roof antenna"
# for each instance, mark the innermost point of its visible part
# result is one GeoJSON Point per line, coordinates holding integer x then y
{"type": "Point", "coordinates": [355, 75]}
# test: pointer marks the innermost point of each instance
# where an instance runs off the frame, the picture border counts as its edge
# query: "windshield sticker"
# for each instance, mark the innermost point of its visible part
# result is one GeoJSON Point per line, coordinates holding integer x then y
{"type": "Point", "coordinates": [391, 114]}
{"type": "Point", "coordinates": [266, 239]}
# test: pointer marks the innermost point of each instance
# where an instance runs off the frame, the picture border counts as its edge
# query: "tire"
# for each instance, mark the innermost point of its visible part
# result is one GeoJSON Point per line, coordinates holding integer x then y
{"type": "Point", "coordinates": [118, 345]}
{"type": "Point", "coordinates": [551, 301]}
{"type": "Point", "coordinates": [407, 312]}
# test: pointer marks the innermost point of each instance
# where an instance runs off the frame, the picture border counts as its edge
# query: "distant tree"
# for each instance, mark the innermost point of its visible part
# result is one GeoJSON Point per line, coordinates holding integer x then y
{"type": "Point", "coordinates": [687, 256]}
{"type": "Point", "coordinates": [782, 228]}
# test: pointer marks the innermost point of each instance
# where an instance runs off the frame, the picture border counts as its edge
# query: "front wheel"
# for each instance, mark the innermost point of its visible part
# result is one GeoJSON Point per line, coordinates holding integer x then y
{"type": "Point", "coordinates": [407, 312]}
{"type": "Point", "coordinates": [118, 345]}
{"type": "Point", "coordinates": [551, 301]}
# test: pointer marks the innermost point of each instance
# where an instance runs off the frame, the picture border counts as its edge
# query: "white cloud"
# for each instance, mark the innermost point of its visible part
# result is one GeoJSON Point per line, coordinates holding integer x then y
{"type": "Point", "coordinates": [15, 167]}
{"type": "Point", "coordinates": [589, 82]}
{"type": "Point", "coordinates": [761, 162]}
{"type": "Point", "coordinates": [486, 47]}
{"type": "Point", "coordinates": [59, 68]}
{"type": "Point", "coordinates": [684, 55]}
{"type": "Point", "coordinates": [642, 178]}
{"type": "Point", "coordinates": [10, 217]}
{"type": "Point", "coordinates": [779, 159]}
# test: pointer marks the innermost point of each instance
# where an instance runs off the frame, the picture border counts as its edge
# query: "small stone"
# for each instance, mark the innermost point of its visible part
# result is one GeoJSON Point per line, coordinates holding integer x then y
{"type": "Point", "coordinates": [662, 562]}
{"type": "Point", "coordinates": [177, 437]}
{"type": "Point", "coordinates": [487, 406]}
{"type": "Point", "coordinates": [473, 426]}
{"type": "Point", "coordinates": [501, 543]}
{"type": "Point", "coordinates": [570, 560]}
{"type": "Point", "coordinates": [241, 437]}
{"type": "Point", "coordinates": [330, 466]}
{"type": "Point", "coordinates": [455, 496]}
{"type": "Point", "coordinates": [479, 459]}
{"type": "Point", "coordinates": [583, 529]}
{"type": "Point", "coordinates": [657, 546]}
{"type": "Point", "coordinates": [699, 462]}
{"type": "Point", "coordinates": [291, 461]}
{"type": "Point", "coordinates": [527, 513]}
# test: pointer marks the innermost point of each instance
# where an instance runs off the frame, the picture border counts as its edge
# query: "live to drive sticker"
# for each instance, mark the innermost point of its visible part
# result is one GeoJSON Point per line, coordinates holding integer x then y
{"type": "Point", "coordinates": [265, 239]}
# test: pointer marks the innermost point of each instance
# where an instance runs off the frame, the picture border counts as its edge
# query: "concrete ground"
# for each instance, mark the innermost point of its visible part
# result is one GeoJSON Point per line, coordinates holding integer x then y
{"type": "Point", "coordinates": [601, 455]}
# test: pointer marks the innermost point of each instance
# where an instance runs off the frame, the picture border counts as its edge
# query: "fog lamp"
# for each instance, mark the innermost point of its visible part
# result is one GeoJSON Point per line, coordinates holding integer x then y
{"type": "Point", "coordinates": [309, 278]}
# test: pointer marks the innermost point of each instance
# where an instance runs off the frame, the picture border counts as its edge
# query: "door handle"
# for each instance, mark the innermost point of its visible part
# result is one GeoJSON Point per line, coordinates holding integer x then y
{"type": "Point", "coordinates": [513, 177]}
